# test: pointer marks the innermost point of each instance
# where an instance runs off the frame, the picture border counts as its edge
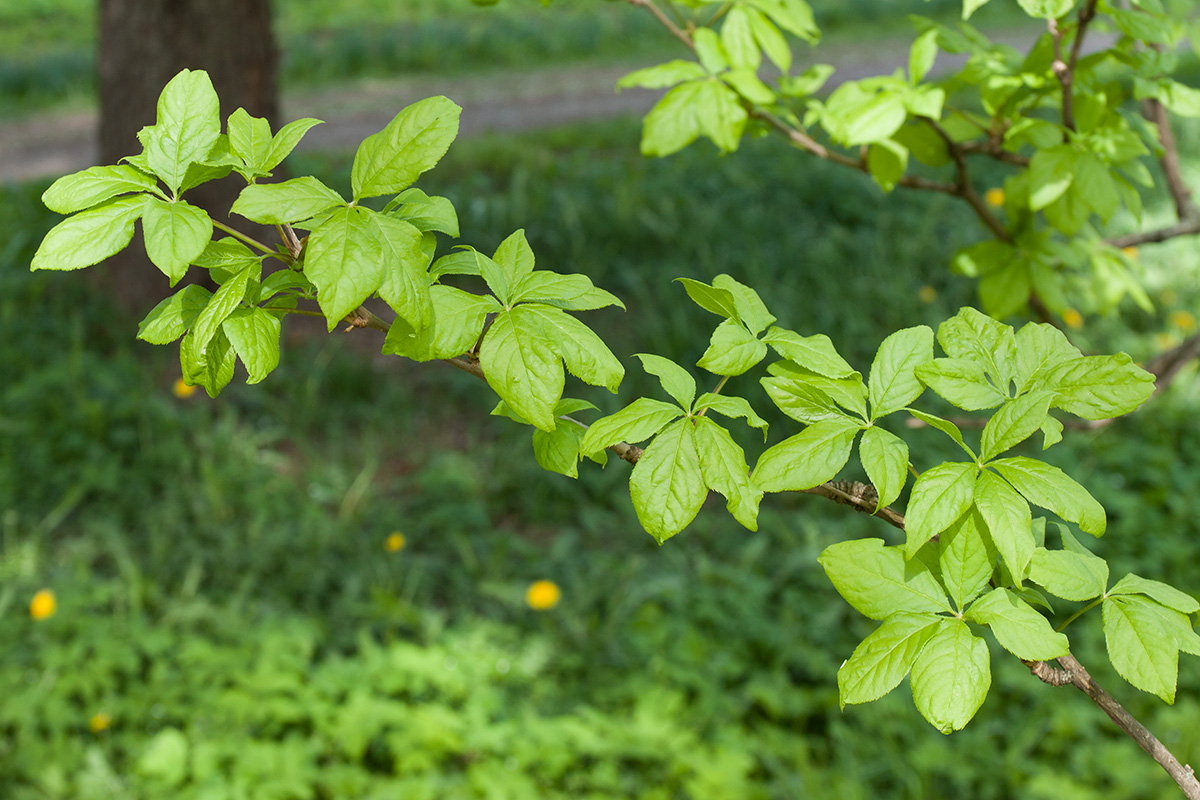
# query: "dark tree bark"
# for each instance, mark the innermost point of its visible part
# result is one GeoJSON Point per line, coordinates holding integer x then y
{"type": "Point", "coordinates": [143, 44]}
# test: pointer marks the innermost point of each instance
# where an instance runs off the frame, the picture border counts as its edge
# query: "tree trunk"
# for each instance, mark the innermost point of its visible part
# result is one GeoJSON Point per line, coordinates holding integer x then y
{"type": "Point", "coordinates": [143, 44]}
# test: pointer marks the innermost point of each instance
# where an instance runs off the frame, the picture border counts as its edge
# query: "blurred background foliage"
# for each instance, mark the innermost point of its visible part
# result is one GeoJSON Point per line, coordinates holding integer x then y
{"type": "Point", "coordinates": [235, 619]}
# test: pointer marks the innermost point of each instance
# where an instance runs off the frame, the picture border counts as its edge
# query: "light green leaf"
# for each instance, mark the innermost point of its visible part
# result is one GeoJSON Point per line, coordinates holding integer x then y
{"type": "Point", "coordinates": [189, 122]}
{"type": "Point", "coordinates": [733, 407]}
{"type": "Point", "coordinates": [1141, 648]}
{"type": "Point", "coordinates": [285, 141]}
{"type": "Point", "coordinates": [945, 426]}
{"type": "Point", "coordinates": [1051, 171]}
{"type": "Point", "coordinates": [702, 107]}
{"type": "Point", "coordinates": [879, 581]}
{"type": "Point", "coordinates": [748, 85]}
{"type": "Point", "coordinates": [1019, 629]}
{"type": "Point", "coordinates": [855, 115]}
{"type": "Point", "coordinates": [979, 338]}
{"type": "Point", "coordinates": [210, 365]}
{"type": "Point", "coordinates": [558, 450]}
{"type": "Point", "coordinates": [723, 467]}
{"type": "Point", "coordinates": [737, 36]}
{"type": "Point", "coordinates": [732, 350]}
{"type": "Point", "coordinates": [893, 382]}
{"type": "Point", "coordinates": [225, 257]}
{"type": "Point", "coordinates": [94, 185]}
{"type": "Point", "coordinates": [404, 283]}
{"type": "Point", "coordinates": [807, 459]}
{"type": "Point", "coordinates": [886, 161]}
{"type": "Point", "coordinates": [1099, 387]}
{"type": "Point", "coordinates": [637, 422]}
{"type": "Point", "coordinates": [951, 676]}
{"type": "Point", "coordinates": [175, 233]}
{"type": "Point", "coordinates": [751, 311]}
{"type": "Point", "coordinates": [922, 55]}
{"type": "Point", "coordinates": [794, 16]}
{"type": "Point", "coordinates": [522, 367]}
{"type": "Point", "coordinates": [458, 321]}
{"type": "Point", "coordinates": [964, 562]}
{"type": "Point", "coordinates": [586, 355]}
{"type": "Point", "coordinates": [1040, 348]}
{"type": "Point", "coordinates": [884, 456]}
{"type": "Point", "coordinates": [666, 484]}
{"type": "Point", "coordinates": [772, 42]}
{"type": "Point", "coordinates": [662, 75]}
{"type": "Point", "coordinates": [1158, 591]}
{"type": "Point", "coordinates": [412, 143]}
{"type": "Point", "coordinates": [1052, 431]}
{"type": "Point", "coordinates": [815, 353]}
{"type": "Point", "coordinates": [849, 392]}
{"type": "Point", "coordinates": [964, 383]}
{"type": "Point", "coordinates": [425, 212]}
{"type": "Point", "coordinates": [173, 316]}
{"type": "Point", "coordinates": [570, 292]}
{"type": "Point", "coordinates": [940, 496]}
{"type": "Point", "coordinates": [1069, 575]}
{"type": "Point", "coordinates": [709, 50]}
{"type": "Point", "coordinates": [1008, 522]}
{"type": "Point", "coordinates": [882, 659]}
{"type": "Point", "coordinates": [165, 759]}
{"type": "Point", "coordinates": [515, 257]}
{"type": "Point", "coordinates": [290, 201]}
{"type": "Point", "coordinates": [90, 236]}
{"type": "Point", "coordinates": [1046, 9]}
{"type": "Point", "coordinates": [1050, 488]}
{"type": "Point", "coordinates": [711, 298]}
{"type": "Point", "coordinates": [208, 322]}
{"type": "Point", "coordinates": [674, 378]}
{"type": "Point", "coordinates": [250, 139]}
{"type": "Point", "coordinates": [801, 401]}
{"type": "Point", "coordinates": [344, 260]}
{"type": "Point", "coordinates": [254, 336]}
{"type": "Point", "coordinates": [1015, 422]}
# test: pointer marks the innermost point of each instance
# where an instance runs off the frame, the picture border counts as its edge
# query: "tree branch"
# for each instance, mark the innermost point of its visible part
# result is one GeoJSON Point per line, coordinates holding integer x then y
{"type": "Point", "coordinates": [1065, 70]}
{"type": "Point", "coordinates": [666, 21]}
{"type": "Point", "coordinates": [1156, 112]}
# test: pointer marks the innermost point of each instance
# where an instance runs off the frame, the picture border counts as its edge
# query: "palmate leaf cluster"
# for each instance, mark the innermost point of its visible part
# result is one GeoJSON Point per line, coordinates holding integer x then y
{"type": "Point", "coordinates": [974, 555]}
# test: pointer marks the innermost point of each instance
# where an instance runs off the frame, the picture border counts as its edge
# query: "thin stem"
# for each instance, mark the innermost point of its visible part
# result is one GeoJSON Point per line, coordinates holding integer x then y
{"type": "Point", "coordinates": [248, 240]}
{"type": "Point", "coordinates": [676, 31]}
{"type": "Point", "coordinates": [1079, 613]}
{"type": "Point", "coordinates": [302, 311]}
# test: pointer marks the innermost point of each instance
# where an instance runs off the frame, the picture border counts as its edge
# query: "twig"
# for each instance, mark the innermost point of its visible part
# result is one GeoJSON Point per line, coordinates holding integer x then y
{"type": "Point", "coordinates": [1065, 70]}
{"type": "Point", "coordinates": [964, 189]}
{"type": "Point", "coordinates": [1184, 227]}
{"type": "Point", "coordinates": [675, 30]}
{"type": "Point", "coordinates": [1156, 112]}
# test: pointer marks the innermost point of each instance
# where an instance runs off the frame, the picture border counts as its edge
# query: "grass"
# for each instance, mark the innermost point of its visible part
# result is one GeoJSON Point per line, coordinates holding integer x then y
{"type": "Point", "coordinates": [225, 593]}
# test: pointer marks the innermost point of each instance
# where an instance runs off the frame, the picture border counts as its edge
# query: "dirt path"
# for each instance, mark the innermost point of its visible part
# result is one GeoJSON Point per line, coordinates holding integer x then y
{"type": "Point", "coordinates": [59, 143]}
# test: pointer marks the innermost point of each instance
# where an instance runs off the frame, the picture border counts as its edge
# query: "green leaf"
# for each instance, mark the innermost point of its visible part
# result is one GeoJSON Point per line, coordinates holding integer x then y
{"type": "Point", "coordinates": [1008, 521]}
{"type": "Point", "coordinates": [425, 212]}
{"type": "Point", "coordinates": [712, 299]}
{"type": "Point", "coordinates": [165, 759]}
{"type": "Point", "coordinates": [189, 122]}
{"type": "Point", "coordinates": [879, 581]}
{"type": "Point", "coordinates": [886, 162]}
{"type": "Point", "coordinates": [1052, 431]}
{"type": "Point", "coordinates": [1019, 629]}
{"type": "Point", "coordinates": [171, 318]}
{"type": "Point", "coordinates": [893, 381]}
{"type": "Point", "coordinates": [940, 496]}
{"type": "Point", "coordinates": [458, 322]}
{"type": "Point", "coordinates": [1141, 648]}
{"type": "Point", "coordinates": [921, 55]}
{"type": "Point", "coordinates": [801, 401]}
{"type": "Point", "coordinates": [404, 283]}
{"type": "Point", "coordinates": [945, 426]}
{"type": "Point", "coordinates": [254, 336]}
{"type": "Point", "coordinates": [732, 350]}
{"type": "Point", "coordinates": [807, 459]}
{"type": "Point", "coordinates": [1046, 9]}
{"type": "Point", "coordinates": [964, 383]}
{"type": "Point", "coordinates": [855, 115]}
{"type": "Point", "coordinates": [637, 422]}
{"type": "Point", "coordinates": [815, 353]}
{"type": "Point", "coordinates": [979, 338]}
{"type": "Point", "coordinates": [208, 322]}
{"type": "Point", "coordinates": [710, 50]}
{"type": "Point", "coordinates": [1015, 422]}
{"type": "Point", "coordinates": [175, 233]}
{"type": "Point", "coordinates": [732, 407]}
{"type": "Point", "coordinates": [1050, 488]}
{"type": "Point", "coordinates": [723, 468]}
{"type": "Point", "coordinates": [569, 292]}
{"type": "Point", "coordinates": [964, 562]}
{"type": "Point", "coordinates": [521, 366]}
{"type": "Point", "coordinates": [884, 456]}
{"type": "Point", "coordinates": [1158, 591]}
{"type": "Point", "coordinates": [250, 139]}
{"type": "Point", "coordinates": [344, 260]}
{"type": "Point", "coordinates": [737, 36]}
{"type": "Point", "coordinates": [586, 355]}
{"type": "Point", "coordinates": [210, 365]}
{"type": "Point", "coordinates": [666, 484]}
{"type": "Point", "coordinates": [662, 75]}
{"type": "Point", "coordinates": [1005, 291]}
{"type": "Point", "coordinates": [692, 109]}
{"type": "Point", "coordinates": [1051, 171]}
{"type": "Point", "coordinates": [290, 201]}
{"type": "Point", "coordinates": [515, 257]}
{"type": "Point", "coordinates": [558, 450]}
{"type": "Point", "coordinates": [794, 16]}
{"type": "Point", "coordinates": [849, 392]}
{"type": "Point", "coordinates": [1099, 387]}
{"type": "Point", "coordinates": [674, 378]}
{"type": "Point", "coordinates": [1040, 348]}
{"type": "Point", "coordinates": [772, 42]}
{"type": "Point", "coordinates": [882, 659]}
{"type": "Point", "coordinates": [1069, 575]}
{"type": "Point", "coordinates": [751, 311]}
{"type": "Point", "coordinates": [90, 236]}
{"type": "Point", "coordinates": [951, 676]}
{"type": "Point", "coordinates": [412, 143]}
{"type": "Point", "coordinates": [94, 185]}
{"type": "Point", "coordinates": [285, 141]}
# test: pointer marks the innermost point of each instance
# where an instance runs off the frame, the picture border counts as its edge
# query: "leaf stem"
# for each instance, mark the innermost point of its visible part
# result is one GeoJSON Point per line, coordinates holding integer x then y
{"type": "Point", "coordinates": [243, 237]}
{"type": "Point", "coordinates": [1080, 613]}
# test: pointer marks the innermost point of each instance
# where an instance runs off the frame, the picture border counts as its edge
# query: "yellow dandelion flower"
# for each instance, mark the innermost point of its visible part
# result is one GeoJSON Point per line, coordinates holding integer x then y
{"type": "Point", "coordinates": [927, 294]}
{"type": "Point", "coordinates": [183, 389]}
{"type": "Point", "coordinates": [1163, 340]}
{"type": "Point", "coordinates": [1130, 252]}
{"type": "Point", "coordinates": [542, 595]}
{"type": "Point", "coordinates": [99, 722]}
{"type": "Point", "coordinates": [1184, 320]}
{"type": "Point", "coordinates": [1073, 318]}
{"type": "Point", "coordinates": [395, 542]}
{"type": "Point", "coordinates": [43, 604]}
{"type": "Point", "coordinates": [994, 197]}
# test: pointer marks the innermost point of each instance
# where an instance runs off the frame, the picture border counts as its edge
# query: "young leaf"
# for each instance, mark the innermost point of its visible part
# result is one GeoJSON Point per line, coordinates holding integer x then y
{"type": "Point", "coordinates": [344, 260]}
{"type": "Point", "coordinates": [290, 201]}
{"type": "Point", "coordinates": [254, 336]}
{"type": "Point", "coordinates": [884, 456]}
{"type": "Point", "coordinates": [733, 407]}
{"type": "Point", "coordinates": [586, 355]}
{"type": "Point", "coordinates": [1071, 576]}
{"type": "Point", "coordinates": [801, 401]}
{"type": "Point", "coordinates": [285, 141]}
{"type": "Point", "coordinates": [850, 393]}
{"type": "Point", "coordinates": [666, 484]}
{"type": "Point", "coordinates": [1141, 648]}
{"type": "Point", "coordinates": [1050, 488]}
{"type": "Point", "coordinates": [963, 559]}
{"type": "Point", "coordinates": [951, 676]}
{"type": "Point", "coordinates": [249, 139]}
{"type": "Point", "coordinates": [979, 338]}
{"type": "Point", "coordinates": [723, 467]}
{"type": "Point", "coordinates": [403, 284]}
{"type": "Point", "coordinates": [807, 459]}
{"type": "Point", "coordinates": [940, 496]}
{"type": "Point", "coordinates": [1008, 521]}
{"type": "Point", "coordinates": [882, 659]}
{"type": "Point", "coordinates": [459, 318]}
{"type": "Point", "coordinates": [637, 422]}
{"type": "Point", "coordinates": [94, 185]}
{"type": "Point", "coordinates": [521, 366]}
{"type": "Point", "coordinates": [964, 383]}
{"type": "Point", "coordinates": [712, 299]}
{"type": "Point", "coordinates": [425, 212]}
{"type": "Point", "coordinates": [750, 309]}
{"type": "Point", "coordinates": [413, 142]}
{"type": "Point", "coordinates": [1100, 387]}
{"type": "Point", "coordinates": [879, 581]}
{"type": "Point", "coordinates": [558, 450]}
{"type": "Point", "coordinates": [208, 322]}
{"type": "Point", "coordinates": [732, 350]}
{"type": "Point", "coordinates": [662, 75]}
{"type": "Point", "coordinates": [189, 122]}
{"type": "Point", "coordinates": [515, 257]}
{"type": "Point", "coordinates": [1158, 591]}
{"type": "Point", "coordinates": [699, 107]}
{"type": "Point", "coordinates": [1015, 422]}
{"type": "Point", "coordinates": [815, 353]}
{"type": "Point", "coordinates": [171, 318]}
{"type": "Point", "coordinates": [893, 382]}
{"type": "Point", "coordinates": [175, 233]}
{"type": "Point", "coordinates": [568, 292]}
{"type": "Point", "coordinates": [945, 426]}
{"type": "Point", "coordinates": [1019, 629]}
{"type": "Point", "coordinates": [674, 378]}
{"type": "Point", "coordinates": [90, 236]}
{"type": "Point", "coordinates": [209, 365]}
